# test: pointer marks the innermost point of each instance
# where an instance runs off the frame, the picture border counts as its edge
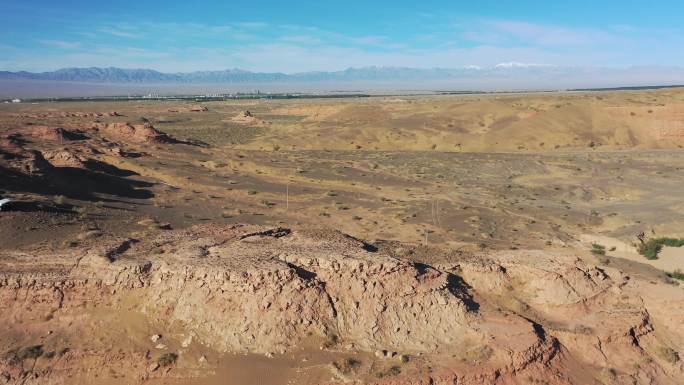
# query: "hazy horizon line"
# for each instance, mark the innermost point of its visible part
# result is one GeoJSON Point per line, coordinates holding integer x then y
{"type": "Point", "coordinates": [502, 65]}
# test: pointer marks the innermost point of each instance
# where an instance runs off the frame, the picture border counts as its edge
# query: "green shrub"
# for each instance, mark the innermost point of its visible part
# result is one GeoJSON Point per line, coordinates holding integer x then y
{"type": "Point", "coordinates": [598, 249]}
{"type": "Point", "coordinates": [677, 274]}
{"type": "Point", "coordinates": [651, 248]}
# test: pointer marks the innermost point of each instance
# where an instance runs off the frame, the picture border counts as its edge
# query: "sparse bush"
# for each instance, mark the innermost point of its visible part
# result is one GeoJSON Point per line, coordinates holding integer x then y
{"type": "Point", "coordinates": [479, 354]}
{"type": "Point", "coordinates": [167, 359]}
{"type": "Point", "coordinates": [70, 243]}
{"type": "Point", "coordinates": [59, 199]}
{"type": "Point", "coordinates": [677, 274]}
{"type": "Point", "coordinates": [391, 371]}
{"type": "Point", "coordinates": [668, 354]}
{"type": "Point", "coordinates": [598, 249]}
{"type": "Point", "coordinates": [331, 340]}
{"type": "Point", "coordinates": [31, 352]}
{"type": "Point", "coordinates": [651, 248]}
{"type": "Point", "coordinates": [19, 355]}
{"type": "Point", "coordinates": [347, 365]}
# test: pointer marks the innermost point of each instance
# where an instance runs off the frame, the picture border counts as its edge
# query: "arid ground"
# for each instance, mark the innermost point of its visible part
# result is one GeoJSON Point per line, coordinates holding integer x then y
{"type": "Point", "coordinates": [455, 239]}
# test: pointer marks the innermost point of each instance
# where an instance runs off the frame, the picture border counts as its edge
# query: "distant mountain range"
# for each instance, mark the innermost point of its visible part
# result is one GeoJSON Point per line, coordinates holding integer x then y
{"type": "Point", "coordinates": [366, 74]}
{"type": "Point", "coordinates": [513, 76]}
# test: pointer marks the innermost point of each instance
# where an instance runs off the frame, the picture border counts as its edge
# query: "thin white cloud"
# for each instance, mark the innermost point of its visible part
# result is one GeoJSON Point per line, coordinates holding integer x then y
{"type": "Point", "coordinates": [303, 39]}
{"type": "Point", "coordinates": [118, 32]}
{"type": "Point", "coordinates": [368, 40]}
{"type": "Point", "coordinates": [515, 64]}
{"type": "Point", "coordinates": [252, 24]}
{"type": "Point", "coordinates": [540, 34]}
{"type": "Point", "coordinates": [61, 44]}
{"type": "Point", "coordinates": [293, 48]}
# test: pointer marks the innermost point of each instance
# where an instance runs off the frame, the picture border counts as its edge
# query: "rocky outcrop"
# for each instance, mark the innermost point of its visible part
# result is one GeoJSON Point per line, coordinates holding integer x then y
{"type": "Point", "coordinates": [132, 133]}
{"type": "Point", "coordinates": [18, 159]}
{"type": "Point", "coordinates": [46, 133]}
{"type": "Point", "coordinates": [65, 158]}
{"type": "Point", "coordinates": [598, 315]}
{"type": "Point", "coordinates": [250, 289]}
{"type": "Point", "coordinates": [68, 114]}
{"type": "Point", "coordinates": [246, 117]}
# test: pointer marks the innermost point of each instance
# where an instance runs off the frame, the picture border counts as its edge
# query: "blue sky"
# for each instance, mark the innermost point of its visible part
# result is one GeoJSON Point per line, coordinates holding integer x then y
{"type": "Point", "coordinates": [293, 36]}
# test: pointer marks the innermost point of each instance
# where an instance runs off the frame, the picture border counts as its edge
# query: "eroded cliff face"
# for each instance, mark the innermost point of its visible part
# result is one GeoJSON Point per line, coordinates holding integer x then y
{"type": "Point", "coordinates": [516, 317]}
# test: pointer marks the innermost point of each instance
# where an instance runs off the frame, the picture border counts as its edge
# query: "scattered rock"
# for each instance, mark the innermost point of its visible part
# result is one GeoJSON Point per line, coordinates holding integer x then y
{"type": "Point", "coordinates": [30, 162]}
{"type": "Point", "coordinates": [64, 158]}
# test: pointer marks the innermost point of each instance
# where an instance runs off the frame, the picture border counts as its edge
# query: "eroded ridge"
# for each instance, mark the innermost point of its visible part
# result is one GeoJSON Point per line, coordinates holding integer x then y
{"type": "Point", "coordinates": [87, 312]}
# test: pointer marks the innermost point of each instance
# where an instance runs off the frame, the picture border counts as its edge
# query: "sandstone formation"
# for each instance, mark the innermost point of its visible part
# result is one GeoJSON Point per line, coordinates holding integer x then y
{"type": "Point", "coordinates": [246, 117]}
{"type": "Point", "coordinates": [494, 318]}
{"type": "Point", "coordinates": [64, 158]}
{"type": "Point", "coordinates": [132, 133]}
{"type": "Point", "coordinates": [27, 162]}
{"type": "Point", "coordinates": [68, 114]}
{"type": "Point", "coordinates": [46, 133]}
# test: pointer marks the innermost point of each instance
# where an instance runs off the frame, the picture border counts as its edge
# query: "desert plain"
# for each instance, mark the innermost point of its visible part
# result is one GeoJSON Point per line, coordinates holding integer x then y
{"type": "Point", "coordinates": [405, 239]}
